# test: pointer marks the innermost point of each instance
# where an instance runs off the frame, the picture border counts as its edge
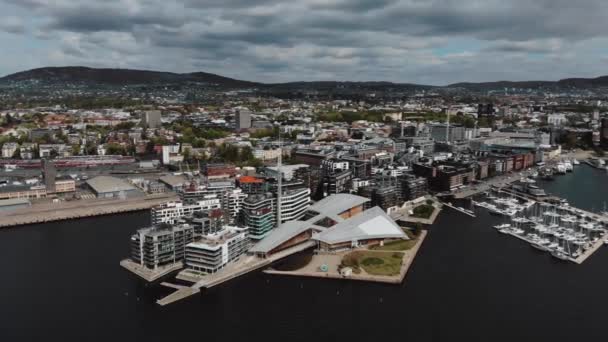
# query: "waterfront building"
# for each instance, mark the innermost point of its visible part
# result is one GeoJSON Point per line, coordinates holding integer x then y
{"type": "Point", "coordinates": [259, 212]}
{"type": "Point", "coordinates": [216, 250]}
{"type": "Point", "coordinates": [160, 245]}
{"type": "Point", "coordinates": [172, 212]}
{"type": "Point", "coordinates": [444, 175]}
{"type": "Point", "coordinates": [36, 190]}
{"type": "Point", "coordinates": [112, 187]}
{"type": "Point", "coordinates": [336, 222]}
{"type": "Point", "coordinates": [207, 222]}
{"type": "Point", "coordinates": [14, 204]}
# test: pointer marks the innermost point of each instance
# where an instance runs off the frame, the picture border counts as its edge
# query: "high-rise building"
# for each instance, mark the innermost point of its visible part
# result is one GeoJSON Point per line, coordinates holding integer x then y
{"type": "Point", "coordinates": [604, 133]}
{"type": "Point", "coordinates": [456, 132]}
{"type": "Point", "coordinates": [160, 245]}
{"type": "Point", "coordinates": [259, 212]}
{"type": "Point", "coordinates": [151, 119]}
{"type": "Point", "coordinates": [243, 119]}
{"type": "Point", "coordinates": [258, 215]}
{"type": "Point", "coordinates": [49, 174]}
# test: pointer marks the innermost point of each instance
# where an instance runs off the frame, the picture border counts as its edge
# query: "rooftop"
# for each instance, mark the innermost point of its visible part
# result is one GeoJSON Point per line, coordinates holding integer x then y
{"type": "Point", "coordinates": [370, 224]}
{"type": "Point", "coordinates": [250, 179]}
{"type": "Point", "coordinates": [101, 184]}
{"type": "Point", "coordinates": [338, 203]}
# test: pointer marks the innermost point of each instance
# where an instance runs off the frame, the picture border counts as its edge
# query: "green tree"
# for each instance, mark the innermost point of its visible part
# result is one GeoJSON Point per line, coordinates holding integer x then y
{"type": "Point", "coordinates": [76, 149]}
{"type": "Point", "coordinates": [113, 148]}
{"type": "Point", "coordinates": [186, 154]}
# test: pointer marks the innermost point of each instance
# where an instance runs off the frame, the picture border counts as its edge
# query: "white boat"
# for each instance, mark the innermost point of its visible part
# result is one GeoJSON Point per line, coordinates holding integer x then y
{"type": "Point", "coordinates": [575, 162]}
{"type": "Point", "coordinates": [560, 168]}
{"type": "Point", "coordinates": [568, 166]}
{"type": "Point", "coordinates": [540, 247]}
{"type": "Point", "coordinates": [560, 255]}
{"type": "Point", "coordinates": [503, 226]}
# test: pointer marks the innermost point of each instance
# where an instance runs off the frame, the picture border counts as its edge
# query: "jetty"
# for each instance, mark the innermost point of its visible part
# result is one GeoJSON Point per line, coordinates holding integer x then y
{"type": "Point", "coordinates": [50, 212]}
{"type": "Point", "coordinates": [245, 265]}
{"type": "Point", "coordinates": [459, 209]}
{"type": "Point", "coordinates": [148, 274]}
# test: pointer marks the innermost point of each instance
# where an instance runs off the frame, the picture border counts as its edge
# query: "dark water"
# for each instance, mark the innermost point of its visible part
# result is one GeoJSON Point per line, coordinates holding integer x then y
{"type": "Point", "coordinates": [62, 282]}
{"type": "Point", "coordinates": [586, 187]}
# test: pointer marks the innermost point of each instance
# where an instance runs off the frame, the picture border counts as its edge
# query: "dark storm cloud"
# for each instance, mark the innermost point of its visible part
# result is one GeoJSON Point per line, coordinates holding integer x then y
{"type": "Point", "coordinates": [317, 38]}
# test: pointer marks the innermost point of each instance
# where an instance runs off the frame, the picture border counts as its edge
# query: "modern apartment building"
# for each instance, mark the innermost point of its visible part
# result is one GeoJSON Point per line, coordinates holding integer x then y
{"type": "Point", "coordinates": [171, 212]}
{"type": "Point", "coordinates": [160, 245]}
{"type": "Point", "coordinates": [294, 204]}
{"type": "Point", "coordinates": [214, 251]}
{"type": "Point", "coordinates": [233, 203]}
{"type": "Point", "coordinates": [259, 215]}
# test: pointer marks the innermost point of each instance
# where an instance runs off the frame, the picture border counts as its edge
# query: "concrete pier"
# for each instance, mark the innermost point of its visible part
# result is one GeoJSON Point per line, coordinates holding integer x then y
{"type": "Point", "coordinates": [148, 274]}
{"type": "Point", "coordinates": [246, 265]}
{"type": "Point", "coordinates": [584, 256]}
{"type": "Point", "coordinates": [49, 212]}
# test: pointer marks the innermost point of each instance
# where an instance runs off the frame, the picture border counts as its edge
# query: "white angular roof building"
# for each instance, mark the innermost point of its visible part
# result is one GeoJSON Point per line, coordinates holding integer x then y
{"type": "Point", "coordinates": [336, 222]}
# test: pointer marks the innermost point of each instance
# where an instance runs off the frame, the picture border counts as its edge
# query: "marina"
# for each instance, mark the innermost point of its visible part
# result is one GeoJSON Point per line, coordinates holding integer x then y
{"type": "Point", "coordinates": [563, 231]}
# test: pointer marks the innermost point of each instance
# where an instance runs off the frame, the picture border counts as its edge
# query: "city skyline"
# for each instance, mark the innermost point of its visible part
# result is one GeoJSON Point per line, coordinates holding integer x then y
{"type": "Point", "coordinates": [425, 42]}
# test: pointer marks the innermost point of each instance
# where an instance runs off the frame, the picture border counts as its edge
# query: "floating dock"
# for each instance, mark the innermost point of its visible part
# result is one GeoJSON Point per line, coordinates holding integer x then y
{"type": "Point", "coordinates": [462, 210]}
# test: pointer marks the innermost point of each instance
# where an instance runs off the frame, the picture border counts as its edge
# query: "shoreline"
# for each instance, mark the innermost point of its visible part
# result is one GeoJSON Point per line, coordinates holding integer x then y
{"type": "Point", "coordinates": [51, 212]}
{"type": "Point", "coordinates": [408, 260]}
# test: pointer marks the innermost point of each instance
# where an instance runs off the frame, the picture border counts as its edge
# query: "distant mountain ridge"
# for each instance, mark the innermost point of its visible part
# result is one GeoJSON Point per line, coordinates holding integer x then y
{"type": "Point", "coordinates": [120, 77]}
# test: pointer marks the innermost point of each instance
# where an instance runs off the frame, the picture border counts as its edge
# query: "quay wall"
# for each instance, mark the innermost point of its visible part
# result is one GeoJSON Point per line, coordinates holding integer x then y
{"type": "Point", "coordinates": [50, 212]}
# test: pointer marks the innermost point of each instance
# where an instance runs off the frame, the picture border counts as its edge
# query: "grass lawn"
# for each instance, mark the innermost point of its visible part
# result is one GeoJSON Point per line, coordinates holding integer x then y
{"type": "Point", "coordinates": [374, 263]}
{"type": "Point", "coordinates": [401, 245]}
{"type": "Point", "coordinates": [424, 211]}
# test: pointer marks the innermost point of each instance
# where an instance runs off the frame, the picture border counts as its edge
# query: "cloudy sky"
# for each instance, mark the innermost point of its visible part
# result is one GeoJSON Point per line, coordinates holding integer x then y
{"type": "Point", "coordinates": [419, 41]}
